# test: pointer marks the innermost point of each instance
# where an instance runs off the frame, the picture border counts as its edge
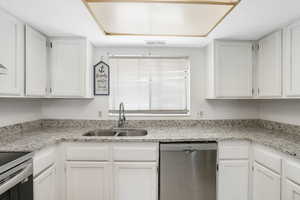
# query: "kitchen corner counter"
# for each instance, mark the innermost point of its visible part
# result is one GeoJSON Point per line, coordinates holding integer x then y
{"type": "Point", "coordinates": [33, 140]}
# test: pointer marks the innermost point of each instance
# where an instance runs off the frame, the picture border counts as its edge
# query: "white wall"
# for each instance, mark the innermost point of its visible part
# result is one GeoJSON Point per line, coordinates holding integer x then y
{"type": "Point", "coordinates": [19, 110]}
{"type": "Point", "coordinates": [212, 109]}
{"type": "Point", "coordinates": [285, 111]}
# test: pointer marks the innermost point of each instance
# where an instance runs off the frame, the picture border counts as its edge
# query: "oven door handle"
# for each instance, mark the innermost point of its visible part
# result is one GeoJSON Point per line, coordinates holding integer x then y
{"type": "Point", "coordinates": [18, 178]}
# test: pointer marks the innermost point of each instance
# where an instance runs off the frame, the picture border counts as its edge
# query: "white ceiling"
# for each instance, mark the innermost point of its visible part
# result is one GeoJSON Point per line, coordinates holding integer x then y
{"type": "Point", "coordinates": [250, 20]}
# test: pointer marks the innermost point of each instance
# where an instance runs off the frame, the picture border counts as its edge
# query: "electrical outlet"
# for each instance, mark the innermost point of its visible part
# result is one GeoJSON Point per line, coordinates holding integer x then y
{"type": "Point", "coordinates": [200, 114]}
{"type": "Point", "coordinates": [99, 114]}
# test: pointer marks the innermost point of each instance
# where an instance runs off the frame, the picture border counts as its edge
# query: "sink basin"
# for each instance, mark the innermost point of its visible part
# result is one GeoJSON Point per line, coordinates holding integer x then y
{"type": "Point", "coordinates": [131, 132]}
{"type": "Point", "coordinates": [117, 132]}
{"type": "Point", "coordinates": [101, 132]}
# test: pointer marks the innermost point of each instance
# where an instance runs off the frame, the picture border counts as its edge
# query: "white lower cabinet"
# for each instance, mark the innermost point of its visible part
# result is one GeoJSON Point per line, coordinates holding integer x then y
{"type": "Point", "coordinates": [88, 180]}
{"type": "Point", "coordinates": [45, 184]}
{"type": "Point", "coordinates": [233, 180]}
{"type": "Point", "coordinates": [135, 181]}
{"type": "Point", "coordinates": [291, 180]}
{"type": "Point", "coordinates": [266, 183]}
{"type": "Point", "coordinates": [126, 177]}
{"type": "Point", "coordinates": [292, 191]}
{"type": "Point", "coordinates": [233, 172]}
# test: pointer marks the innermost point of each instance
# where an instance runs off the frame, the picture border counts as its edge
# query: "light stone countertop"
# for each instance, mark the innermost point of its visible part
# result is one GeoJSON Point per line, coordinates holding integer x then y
{"type": "Point", "coordinates": [38, 139]}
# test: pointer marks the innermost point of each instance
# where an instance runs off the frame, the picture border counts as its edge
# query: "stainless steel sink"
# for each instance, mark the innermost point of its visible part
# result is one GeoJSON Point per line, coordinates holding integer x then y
{"type": "Point", "coordinates": [117, 132]}
{"type": "Point", "coordinates": [131, 132]}
{"type": "Point", "coordinates": [101, 132]}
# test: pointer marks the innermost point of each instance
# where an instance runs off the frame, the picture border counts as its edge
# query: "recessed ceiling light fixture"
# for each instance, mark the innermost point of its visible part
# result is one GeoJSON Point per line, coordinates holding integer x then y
{"type": "Point", "coordinates": [155, 42]}
{"type": "Point", "coordinates": [183, 18]}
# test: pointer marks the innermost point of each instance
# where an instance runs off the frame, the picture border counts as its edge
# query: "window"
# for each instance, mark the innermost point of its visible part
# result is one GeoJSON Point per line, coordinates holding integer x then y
{"type": "Point", "coordinates": [150, 85]}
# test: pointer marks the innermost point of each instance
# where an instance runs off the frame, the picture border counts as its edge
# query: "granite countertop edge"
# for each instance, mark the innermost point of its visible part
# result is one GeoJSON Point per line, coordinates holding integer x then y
{"type": "Point", "coordinates": [39, 139]}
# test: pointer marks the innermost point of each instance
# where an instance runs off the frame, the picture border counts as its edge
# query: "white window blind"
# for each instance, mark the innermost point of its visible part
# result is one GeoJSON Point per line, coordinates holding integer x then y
{"type": "Point", "coordinates": [150, 85]}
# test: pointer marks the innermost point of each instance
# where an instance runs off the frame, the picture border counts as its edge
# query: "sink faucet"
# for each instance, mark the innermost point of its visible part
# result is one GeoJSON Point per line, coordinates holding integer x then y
{"type": "Point", "coordinates": [122, 119]}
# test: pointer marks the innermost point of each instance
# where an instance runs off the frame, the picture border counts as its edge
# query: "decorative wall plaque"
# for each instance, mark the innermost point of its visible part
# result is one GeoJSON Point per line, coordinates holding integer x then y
{"type": "Point", "coordinates": [101, 78]}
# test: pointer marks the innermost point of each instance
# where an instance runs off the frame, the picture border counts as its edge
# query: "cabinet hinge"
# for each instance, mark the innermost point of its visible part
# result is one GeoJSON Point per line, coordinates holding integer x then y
{"type": "Point", "coordinates": [252, 91]}
{"type": "Point", "coordinates": [217, 167]}
{"type": "Point", "coordinates": [255, 47]}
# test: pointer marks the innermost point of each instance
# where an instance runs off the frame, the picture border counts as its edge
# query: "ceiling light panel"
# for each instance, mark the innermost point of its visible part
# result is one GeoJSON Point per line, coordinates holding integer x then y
{"type": "Point", "coordinates": [193, 18]}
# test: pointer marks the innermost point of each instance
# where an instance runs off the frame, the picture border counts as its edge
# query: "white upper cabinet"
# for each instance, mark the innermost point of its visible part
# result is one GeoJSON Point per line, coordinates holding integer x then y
{"type": "Point", "coordinates": [269, 66]}
{"type": "Point", "coordinates": [36, 63]}
{"type": "Point", "coordinates": [11, 55]}
{"type": "Point", "coordinates": [292, 60]}
{"type": "Point", "coordinates": [70, 67]}
{"type": "Point", "coordinates": [230, 66]}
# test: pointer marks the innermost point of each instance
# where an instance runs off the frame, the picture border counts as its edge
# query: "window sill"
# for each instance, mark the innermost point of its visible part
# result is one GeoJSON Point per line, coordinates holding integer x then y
{"type": "Point", "coordinates": [151, 115]}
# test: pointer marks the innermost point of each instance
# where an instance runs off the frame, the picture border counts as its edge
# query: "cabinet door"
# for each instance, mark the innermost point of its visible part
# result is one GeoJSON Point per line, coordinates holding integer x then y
{"type": "Point", "coordinates": [292, 191]}
{"type": "Point", "coordinates": [36, 63]}
{"type": "Point", "coordinates": [135, 181]}
{"type": "Point", "coordinates": [88, 180]}
{"type": "Point", "coordinates": [44, 185]}
{"type": "Point", "coordinates": [233, 69]}
{"type": "Point", "coordinates": [270, 65]}
{"type": "Point", "coordinates": [233, 182]}
{"type": "Point", "coordinates": [67, 67]}
{"type": "Point", "coordinates": [266, 184]}
{"type": "Point", "coordinates": [293, 60]}
{"type": "Point", "coordinates": [11, 55]}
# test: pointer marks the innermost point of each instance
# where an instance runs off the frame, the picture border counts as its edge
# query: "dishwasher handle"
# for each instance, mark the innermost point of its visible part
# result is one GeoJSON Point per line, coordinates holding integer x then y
{"type": "Point", "coordinates": [187, 147]}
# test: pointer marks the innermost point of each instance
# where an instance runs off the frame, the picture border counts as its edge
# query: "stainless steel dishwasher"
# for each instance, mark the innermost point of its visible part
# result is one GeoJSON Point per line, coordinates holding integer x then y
{"type": "Point", "coordinates": [188, 171]}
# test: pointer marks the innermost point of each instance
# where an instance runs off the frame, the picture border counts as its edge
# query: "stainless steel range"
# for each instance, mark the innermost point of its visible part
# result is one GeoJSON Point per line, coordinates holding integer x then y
{"type": "Point", "coordinates": [16, 180]}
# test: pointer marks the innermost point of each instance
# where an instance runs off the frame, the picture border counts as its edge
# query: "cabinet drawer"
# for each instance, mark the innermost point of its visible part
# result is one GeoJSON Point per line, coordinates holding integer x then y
{"type": "Point", "coordinates": [268, 159]}
{"type": "Point", "coordinates": [43, 159]}
{"type": "Point", "coordinates": [232, 150]}
{"type": "Point", "coordinates": [87, 152]}
{"type": "Point", "coordinates": [135, 152]}
{"type": "Point", "coordinates": [292, 171]}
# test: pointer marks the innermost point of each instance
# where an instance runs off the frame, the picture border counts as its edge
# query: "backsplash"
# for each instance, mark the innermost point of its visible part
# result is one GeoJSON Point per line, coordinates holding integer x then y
{"type": "Point", "coordinates": [277, 126]}
{"type": "Point", "coordinates": [58, 123]}
{"type": "Point", "coordinates": [67, 123]}
{"type": "Point", "coordinates": [21, 127]}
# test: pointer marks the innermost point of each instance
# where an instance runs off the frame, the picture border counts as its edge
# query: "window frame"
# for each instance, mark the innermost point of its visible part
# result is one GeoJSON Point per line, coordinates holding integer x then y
{"type": "Point", "coordinates": [156, 113]}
